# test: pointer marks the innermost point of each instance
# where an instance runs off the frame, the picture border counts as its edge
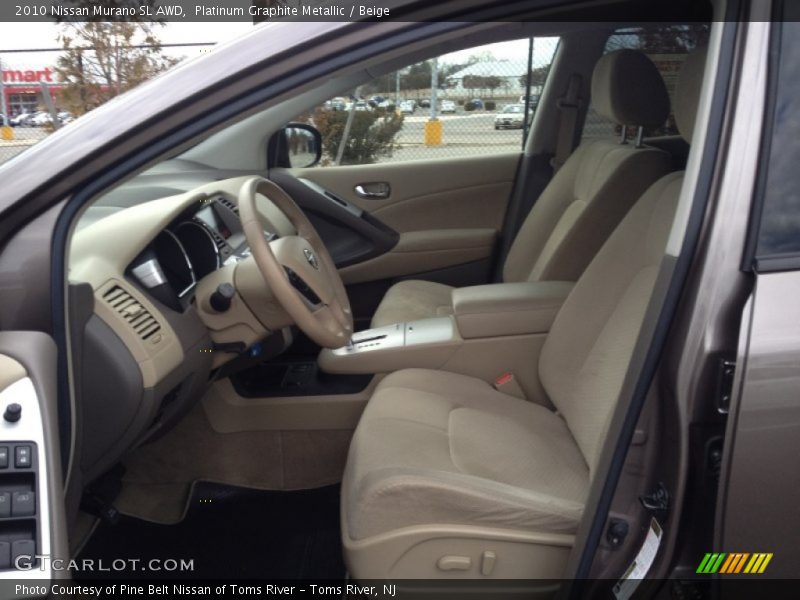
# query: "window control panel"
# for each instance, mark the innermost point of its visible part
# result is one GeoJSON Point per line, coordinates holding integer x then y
{"type": "Point", "coordinates": [18, 503]}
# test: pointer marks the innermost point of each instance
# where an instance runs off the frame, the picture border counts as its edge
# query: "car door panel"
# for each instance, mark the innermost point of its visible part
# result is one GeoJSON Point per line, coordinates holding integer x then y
{"type": "Point", "coordinates": [28, 379]}
{"type": "Point", "coordinates": [452, 193]}
{"type": "Point", "coordinates": [447, 215]}
{"type": "Point", "coordinates": [424, 251]}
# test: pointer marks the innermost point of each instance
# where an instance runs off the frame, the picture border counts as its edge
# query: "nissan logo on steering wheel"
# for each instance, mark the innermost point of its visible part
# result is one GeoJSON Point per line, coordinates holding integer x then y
{"type": "Point", "coordinates": [312, 260]}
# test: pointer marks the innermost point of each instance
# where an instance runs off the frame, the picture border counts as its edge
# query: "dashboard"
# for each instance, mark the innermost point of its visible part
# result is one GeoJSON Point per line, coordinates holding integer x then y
{"type": "Point", "coordinates": [194, 245]}
{"type": "Point", "coordinates": [142, 277]}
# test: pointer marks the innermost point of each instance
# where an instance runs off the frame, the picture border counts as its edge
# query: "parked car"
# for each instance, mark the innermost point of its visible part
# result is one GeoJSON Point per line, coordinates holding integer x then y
{"type": "Point", "coordinates": [21, 120]}
{"type": "Point", "coordinates": [476, 104]}
{"type": "Point", "coordinates": [447, 106]}
{"type": "Point", "coordinates": [408, 106]}
{"type": "Point", "coordinates": [533, 100]}
{"type": "Point", "coordinates": [336, 104]}
{"type": "Point", "coordinates": [41, 119]}
{"type": "Point", "coordinates": [424, 103]}
{"type": "Point", "coordinates": [511, 117]}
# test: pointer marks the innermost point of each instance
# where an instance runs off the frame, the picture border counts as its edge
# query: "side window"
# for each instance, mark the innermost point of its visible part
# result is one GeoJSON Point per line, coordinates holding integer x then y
{"type": "Point", "coordinates": [667, 46]}
{"type": "Point", "coordinates": [779, 234]}
{"type": "Point", "coordinates": [467, 103]}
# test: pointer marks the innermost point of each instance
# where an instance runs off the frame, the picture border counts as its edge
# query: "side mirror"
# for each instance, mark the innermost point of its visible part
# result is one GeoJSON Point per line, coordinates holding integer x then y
{"type": "Point", "coordinates": [297, 145]}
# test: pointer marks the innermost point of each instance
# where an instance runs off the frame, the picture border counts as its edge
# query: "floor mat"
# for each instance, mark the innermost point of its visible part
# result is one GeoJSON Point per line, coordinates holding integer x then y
{"type": "Point", "coordinates": [233, 532]}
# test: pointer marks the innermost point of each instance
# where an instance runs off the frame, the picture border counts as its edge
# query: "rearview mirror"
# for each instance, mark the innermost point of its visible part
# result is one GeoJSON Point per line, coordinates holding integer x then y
{"type": "Point", "coordinates": [301, 145]}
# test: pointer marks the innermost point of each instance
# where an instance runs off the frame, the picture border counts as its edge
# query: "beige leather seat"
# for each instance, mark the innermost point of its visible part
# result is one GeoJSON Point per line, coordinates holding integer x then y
{"type": "Point", "coordinates": [448, 477]}
{"type": "Point", "coordinates": [583, 203]}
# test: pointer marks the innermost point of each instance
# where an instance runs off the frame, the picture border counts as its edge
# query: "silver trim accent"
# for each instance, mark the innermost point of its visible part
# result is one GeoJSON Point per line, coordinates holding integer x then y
{"type": "Point", "coordinates": [149, 274]}
{"type": "Point", "coordinates": [191, 286]}
{"type": "Point", "coordinates": [30, 428]}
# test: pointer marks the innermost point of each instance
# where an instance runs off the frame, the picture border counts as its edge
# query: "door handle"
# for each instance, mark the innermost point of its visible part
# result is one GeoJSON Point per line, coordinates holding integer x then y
{"type": "Point", "coordinates": [378, 190]}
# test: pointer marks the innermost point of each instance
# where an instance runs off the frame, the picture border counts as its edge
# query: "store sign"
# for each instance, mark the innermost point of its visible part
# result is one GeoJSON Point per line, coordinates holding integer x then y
{"type": "Point", "coordinates": [20, 76]}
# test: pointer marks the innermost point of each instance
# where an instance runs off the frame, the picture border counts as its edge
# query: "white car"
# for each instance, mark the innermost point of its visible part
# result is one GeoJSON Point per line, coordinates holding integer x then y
{"type": "Point", "coordinates": [41, 119]}
{"type": "Point", "coordinates": [447, 106]}
{"type": "Point", "coordinates": [408, 107]}
{"type": "Point", "coordinates": [512, 117]}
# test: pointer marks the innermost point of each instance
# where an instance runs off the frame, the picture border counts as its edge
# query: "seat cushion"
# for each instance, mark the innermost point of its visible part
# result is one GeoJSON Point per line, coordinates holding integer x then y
{"type": "Point", "coordinates": [413, 300]}
{"type": "Point", "coordinates": [439, 448]}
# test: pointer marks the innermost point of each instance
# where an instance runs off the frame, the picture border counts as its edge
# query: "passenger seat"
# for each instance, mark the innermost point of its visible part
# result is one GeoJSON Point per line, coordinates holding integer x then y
{"type": "Point", "coordinates": [582, 204]}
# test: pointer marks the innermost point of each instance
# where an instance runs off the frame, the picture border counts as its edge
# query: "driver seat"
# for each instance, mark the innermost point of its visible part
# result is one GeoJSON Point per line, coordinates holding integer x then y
{"type": "Point", "coordinates": [447, 477]}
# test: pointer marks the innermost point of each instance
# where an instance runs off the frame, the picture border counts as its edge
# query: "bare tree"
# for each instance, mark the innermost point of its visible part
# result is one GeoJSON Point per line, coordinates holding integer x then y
{"type": "Point", "coordinates": [104, 59]}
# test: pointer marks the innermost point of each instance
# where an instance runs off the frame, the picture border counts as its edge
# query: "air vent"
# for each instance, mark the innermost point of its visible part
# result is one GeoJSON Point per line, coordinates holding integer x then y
{"type": "Point", "coordinates": [228, 204]}
{"type": "Point", "coordinates": [218, 240]}
{"type": "Point", "coordinates": [136, 315]}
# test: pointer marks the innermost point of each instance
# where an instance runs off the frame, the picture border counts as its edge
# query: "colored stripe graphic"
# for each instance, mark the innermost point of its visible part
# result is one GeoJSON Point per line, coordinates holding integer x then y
{"type": "Point", "coordinates": [764, 564]}
{"type": "Point", "coordinates": [703, 563]}
{"type": "Point", "coordinates": [715, 567]}
{"type": "Point", "coordinates": [731, 560]}
{"type": "Point", "coordinates": [741, 562]}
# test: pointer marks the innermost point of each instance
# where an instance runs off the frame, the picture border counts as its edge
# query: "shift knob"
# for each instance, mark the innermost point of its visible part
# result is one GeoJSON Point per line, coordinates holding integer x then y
{"type": "Point", "coordinates": [13, 412]}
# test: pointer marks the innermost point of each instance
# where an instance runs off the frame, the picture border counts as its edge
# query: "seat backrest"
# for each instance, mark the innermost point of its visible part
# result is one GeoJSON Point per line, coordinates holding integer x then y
{"type": "Point", "coordinates": [589, 347]}
{"type": "Point", "coordinates": [600, 181]}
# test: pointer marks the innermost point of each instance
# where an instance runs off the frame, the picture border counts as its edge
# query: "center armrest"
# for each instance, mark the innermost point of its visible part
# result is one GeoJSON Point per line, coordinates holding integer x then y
{"type": "Point", "coordinates": [508, 308]}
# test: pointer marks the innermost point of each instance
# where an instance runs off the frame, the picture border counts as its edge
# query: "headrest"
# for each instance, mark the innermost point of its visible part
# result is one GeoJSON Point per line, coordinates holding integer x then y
{"type": "Point", "coordinates": [687, 91]}
{"type": "Point", "coordinates": [628, 89]}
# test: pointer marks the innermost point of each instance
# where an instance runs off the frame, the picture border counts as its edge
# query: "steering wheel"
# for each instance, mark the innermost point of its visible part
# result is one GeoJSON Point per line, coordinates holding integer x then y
{"type": "Point", "coordinates": [298, 268]}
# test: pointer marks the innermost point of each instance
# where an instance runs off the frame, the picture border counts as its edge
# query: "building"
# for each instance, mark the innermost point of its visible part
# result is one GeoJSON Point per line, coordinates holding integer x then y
{"type": "Point", "coordinates": [506, 73]}
{"type": "Point", "coordinates": [24, 88]}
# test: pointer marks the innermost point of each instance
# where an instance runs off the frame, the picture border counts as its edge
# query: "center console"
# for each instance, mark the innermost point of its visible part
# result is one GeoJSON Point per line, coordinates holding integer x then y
{"type": "Point", "coordinates": [495, 329]}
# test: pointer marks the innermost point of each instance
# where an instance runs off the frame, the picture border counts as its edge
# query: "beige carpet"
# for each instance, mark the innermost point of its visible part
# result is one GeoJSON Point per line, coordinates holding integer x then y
{"type": "Point", "coordinates": [159, 476]}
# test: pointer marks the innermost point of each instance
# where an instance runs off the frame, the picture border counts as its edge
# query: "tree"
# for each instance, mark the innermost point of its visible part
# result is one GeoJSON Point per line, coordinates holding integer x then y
{"type": "Point", "coordinates": [104, 59]}
{"type": "Point", "coordinates": [492, 82]}
{"type": "Point", "coordinates": [372, 134]}
{"type": "Point", "coordinates": [538, 77]}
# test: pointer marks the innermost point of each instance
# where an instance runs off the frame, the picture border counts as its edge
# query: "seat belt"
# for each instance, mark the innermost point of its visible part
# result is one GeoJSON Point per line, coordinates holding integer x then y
{"type": "Point", "coordinates": [569, 105]}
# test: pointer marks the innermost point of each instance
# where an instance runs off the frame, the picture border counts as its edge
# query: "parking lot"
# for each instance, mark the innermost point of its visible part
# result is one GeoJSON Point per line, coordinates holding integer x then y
{"type": "Point", "coordinates": [463, 134]}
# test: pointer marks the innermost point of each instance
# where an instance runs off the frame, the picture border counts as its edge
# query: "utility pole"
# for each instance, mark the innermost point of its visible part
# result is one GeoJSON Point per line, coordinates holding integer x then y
{"type": "Point", "coordinates": [3, 107]}
{"type": "Point", "coordinates": [434, 88]}
{"type": "Point", "coordinates": [397, 90]}
{"type": "Point", "coordinates": [6, 133]}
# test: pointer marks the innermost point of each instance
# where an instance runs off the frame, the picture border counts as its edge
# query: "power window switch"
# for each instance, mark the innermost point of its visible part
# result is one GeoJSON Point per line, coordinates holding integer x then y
{"type": "Point", "coordinates": [3, 457]}
{"type": "Point", "coordinates": [23, 504]}
{"type": "Point", "coordinates": [5, 504]}
{"type": "Point", "coordinates": [25, 549]}
{"type": "Point", "coordinates": [5, 555]}
{"type": "Point", "coordinates": [22, 457]}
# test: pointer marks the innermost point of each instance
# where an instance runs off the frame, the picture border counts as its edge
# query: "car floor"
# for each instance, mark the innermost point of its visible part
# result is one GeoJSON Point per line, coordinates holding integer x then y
{"type": "Point", "coordinates": [159, 476]}
{"type": "Point", "coordinates": [233, 532]}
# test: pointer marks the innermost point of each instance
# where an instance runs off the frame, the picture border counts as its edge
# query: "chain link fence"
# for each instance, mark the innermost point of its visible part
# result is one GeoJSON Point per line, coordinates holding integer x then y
{"type": "Point", "coordinates": [469, 104]}
{"type": "Point", "coordinates": [31, 113]}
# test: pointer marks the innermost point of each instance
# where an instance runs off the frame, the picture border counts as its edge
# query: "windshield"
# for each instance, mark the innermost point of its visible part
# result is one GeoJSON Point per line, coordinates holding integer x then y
{"type": "Point", "coordinates": [514, 108]}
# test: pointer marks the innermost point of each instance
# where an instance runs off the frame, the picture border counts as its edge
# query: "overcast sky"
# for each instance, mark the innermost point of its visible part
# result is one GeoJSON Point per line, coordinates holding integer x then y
{"type": "Point", "coordinates": [45, 35]}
